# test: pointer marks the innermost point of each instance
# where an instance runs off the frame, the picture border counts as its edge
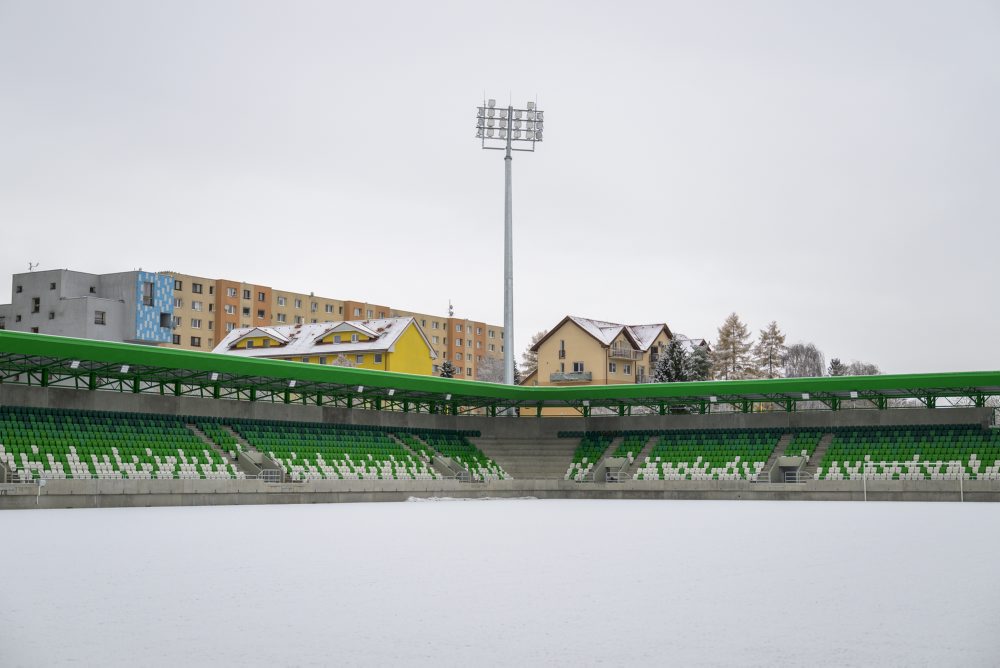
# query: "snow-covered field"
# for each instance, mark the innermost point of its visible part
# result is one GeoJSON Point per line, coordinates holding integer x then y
{"type": "Point", "coordinates": [504, 583]}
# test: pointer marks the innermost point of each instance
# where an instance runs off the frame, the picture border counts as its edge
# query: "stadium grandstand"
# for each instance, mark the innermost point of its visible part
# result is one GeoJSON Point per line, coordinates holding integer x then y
{"type": "Point", "coordinates": [95, 423]}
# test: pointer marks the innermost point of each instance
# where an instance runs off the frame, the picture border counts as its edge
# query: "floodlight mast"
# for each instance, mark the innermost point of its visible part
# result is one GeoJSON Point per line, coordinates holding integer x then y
{"type": "Point", "coordinates": [507, 124]}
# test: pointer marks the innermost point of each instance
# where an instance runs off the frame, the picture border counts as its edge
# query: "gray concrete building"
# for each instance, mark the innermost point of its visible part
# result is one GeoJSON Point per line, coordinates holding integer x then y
{"type": "Point", "coordinates": [130, 307]}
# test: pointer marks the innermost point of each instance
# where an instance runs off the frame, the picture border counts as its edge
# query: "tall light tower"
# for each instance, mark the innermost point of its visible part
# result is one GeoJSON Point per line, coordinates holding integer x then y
{"type": "Point", "coordinates": [508, 129]}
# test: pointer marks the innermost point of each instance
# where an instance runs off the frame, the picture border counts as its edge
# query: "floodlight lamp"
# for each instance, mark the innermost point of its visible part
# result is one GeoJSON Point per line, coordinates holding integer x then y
{"type": "Point", "coordinates": [480, 123]}
{"type": "Point", "coordinates": [491, 123]}
{"type": "Point", "coordinates": [481, 112]}
{"type": "Point", "coordinates": [538, 136]}
{"type": "Point", "coordinates": [491, 113]}
{"type": "Point", "coordinates": [361, 388]}
{"type": "Point", "coordinates": [805, 396]}
{"type": "Point", "coordinates": [713, 399]}
{"type": "Point", "coordinates": [490, 132]}
{"type": "Point", "coordinates": [517, 124]}
{"type": "Point", "coordinates": [503, 133]}
{"type": "Point", "coordinates": [392, 392]}
{"type": "Point", "coordinates": [214, 376]}
{"type": "Point", "coordinates": [492, 102]}
{"type": "Point", "coordinates": [538, 115]}
{"type": "Point", "coordinates": [479, 134]}
{"type": "Point", "coordinates": [586, 402]}
{"type": "Point", "coordinates": [854, 395]}
{"type": "Point", "coordinates": [291, 383]}
{"type": "Point", "coordinates": [531, 105]}
{"type": "Point", "coordinates": [447, 397]}
{"type": "Point", "coordinates": [75, 364]}
{"type": "Point", "coordinates": [517, 114]}
{"type": "Point", "coordinates": [517, 134]}
{"type": "Point", "coordinates": [503, 113]}
{"type": "Point", "coordinates": [125, 368]}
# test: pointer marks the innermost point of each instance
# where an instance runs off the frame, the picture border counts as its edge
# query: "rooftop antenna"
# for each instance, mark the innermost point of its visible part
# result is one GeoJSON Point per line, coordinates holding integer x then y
{"type": "Point", "coordinates": [451, 310]}
{"type": "Point", "coordinates": [32, 265]}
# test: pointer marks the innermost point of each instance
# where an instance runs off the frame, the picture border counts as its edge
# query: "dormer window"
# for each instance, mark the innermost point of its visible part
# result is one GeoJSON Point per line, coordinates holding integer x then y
{"type": "Point", "coordinates": [336, 338]}
{"type": "Point", "coordinates": [354, 338]}
{"type": "Point", "coordinates": [250, 344]}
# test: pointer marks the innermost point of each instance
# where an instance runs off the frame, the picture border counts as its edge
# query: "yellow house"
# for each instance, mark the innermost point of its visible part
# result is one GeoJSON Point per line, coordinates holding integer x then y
{"type": "Point", "coordinates": [387, 344]}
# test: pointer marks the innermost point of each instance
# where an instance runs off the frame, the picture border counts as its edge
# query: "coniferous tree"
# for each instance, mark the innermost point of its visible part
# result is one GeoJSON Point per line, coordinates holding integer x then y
{"type": "Point", "coordinates": [837, 368]}
{"type": "Point", "coordinates": [529, 358]}
{"type": "Point", "coordinates": [447, 369]}
{"type": "Point", "coordinates": [731, 357]}
{"type": "Point", "coordinates": [769, 351]}
{"type": "Point", "coordinates": [699, 364]}
{"type": "Point", "coordinates": [672, 365]}
{"type": "Point", "coordinates": [803, 360]}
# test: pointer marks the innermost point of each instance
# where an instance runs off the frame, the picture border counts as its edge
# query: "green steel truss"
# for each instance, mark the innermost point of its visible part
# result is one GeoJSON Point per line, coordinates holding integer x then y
{"type": "Point", "coordinates": [53, 361]}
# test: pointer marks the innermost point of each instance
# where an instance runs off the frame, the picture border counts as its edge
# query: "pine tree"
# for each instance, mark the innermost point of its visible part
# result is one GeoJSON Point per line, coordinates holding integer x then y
{"type": "Point", "coordinates": [517, 373]}
{"type": "Point", "coordinates": [699, 364]}
{"type": "Point", "coordinates": [672, 365]}
{"type": "Point", "coordinates": [731, 358]}
{"type": "Point", "coordinates": [769, 351]}
{"type": "Point", "coordinates": [447, 369]}
{"type": "Point", "coordinates": [837, 368]}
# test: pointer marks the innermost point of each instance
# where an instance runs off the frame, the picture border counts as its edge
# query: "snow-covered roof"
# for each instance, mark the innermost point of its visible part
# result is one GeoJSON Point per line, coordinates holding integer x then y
{"type": "Point", "coordinates": [302, 340]}
{"type": "Point", "coordinates": [688, 343]}
{"type": "Point", "coordinates": [641, 336]}
{"type": "Point", "coordinates": [251, 332]}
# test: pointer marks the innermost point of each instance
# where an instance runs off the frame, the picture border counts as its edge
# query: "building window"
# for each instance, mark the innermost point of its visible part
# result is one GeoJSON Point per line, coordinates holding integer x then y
{"type": "Point", "coordinates": [493, 334]}
{"type": "Point", "coordinates": [230, 292]}
{"type": "Point", "coordinates": [178, 285]}
{"type": "Point", "coordinates": [434, 325]}
{"type": "Point", "coordinates": [354, 338]}
{"type": "Point", "coordinates": [99, 317]}
{"type": "Point", "coordinates": [436, 339]}
{"type": "Point", "coordinates": [210, 323]}
{"type": "Point", "coordinates": [211, 291]}
{"type": "Point", "coordinates": [371, 314]}
{"type": "Point", "coordinates": [260, 296]}
{"type": "Point", "coordinates": [178, 302]}
{"type": "Point", "coordinates": [479, 331]}
{"type": "Point", "coordinates": [577, 367]}
{"type": "Point", "coordinates": [281, 301]}
{"type": "Point", "coordinates": [378, 358]}
{"type": "Point", "coordinates": [313, 307]}
{"type": "Point", "coordinates": [246, 311]}
{"type": "Point", "coordinates": [195, 323]}
{"type": "Point", "coordinates": [298, 303]}
{"type": "Point", "coordinates": [196, 288]}
{"type": "Point", "coordinates": [493, 348]}
{"type": "Point", "coordinates": [458, 328]}
{"type": "Point", "coordinates": [177, 321]}
{"type": "Point", "coordinates": [336, 338]}
{"type": "Point", "coordinates": [359, 359]}
{"type": "Point", "coordinates": [93, 290]}
{"type": "Point", "coordinates": [230, 309]}
{"type": "Point", "coordinates": [52, 286]}
{"type": "Point", "coordinates": [435, 369]}
{"type": "Point", "coordinates": [147, 293]}
{"type": "Point", "coordinates": [479, 344]}
{"type": "Point", "coordinates": [458, 356]}
{"type": "Point", "coordinates": [3, 322]}
{"type": "Point", "coordinates": [18, 289]}
{"type": "Point", "coordinates": [196, 341]}
{"type": "Point", "coordinates": [298, 320]}
{"type": "Point", "coordinates": [230, 326]}
{"type": "Point", "coordinates": [458, 342]}
{"type": "Point", "coordinates": [250, 343]}
{"type": "Point", "coordinates": [322, 360]}
{"type": "Point", "coordinates": [357, 313]}
{"type": "Point", "coordinates": [177, 339]}
{"type": "Point", "coordinates": [340, 310]}
{"type": "Point", "coordinates": [445, 340]}
{"type": "Point", "coordinates": [52, 315]}
{"type": "Point", "coordinates": [282, 317]}
{"type": "Point", "coordinates": [260, 314]}
{"type": "Point", "coordinates": [612, 367]}
{"type": "Point", "coordinates": [196, 306]}
{"type": "Point", "coordinates": [34, 330]}
{"type": "Point", "coordinates": [468, 371]}
{"type": "Point", "coordinates": [329, 308]}
{"type": "Point", "coordinates": [17, 318]}
{"type": "Point", "coordinates": [628, 369]}
{"type": "Point", "coordinates": [36, 304]}
{"type": "Point", "coordinates": [267, 343]}
{"type": "Point", "coordinates": [246, 294]}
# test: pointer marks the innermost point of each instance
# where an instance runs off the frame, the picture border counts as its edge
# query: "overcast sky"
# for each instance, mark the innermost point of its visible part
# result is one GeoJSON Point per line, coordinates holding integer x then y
{"type": "Point", "coordinates": [833, 166]}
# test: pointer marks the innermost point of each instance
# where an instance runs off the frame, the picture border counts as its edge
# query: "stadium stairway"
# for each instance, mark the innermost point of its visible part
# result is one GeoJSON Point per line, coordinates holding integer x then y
{"type": "Point", "coordinates": [241, 464]}
{"type": "Point", "coordinates": [809, 470]}
{"type": "Point", "coordinates": [641, 458]}
{"type": "Point", "coordinates": [435, 463]}
{"type": "Point", "coordinates": [528, 459]}
{"type": "Point", "coordinates": [265, 461]}
{"type": "Point", "coordinates": [779, 450]}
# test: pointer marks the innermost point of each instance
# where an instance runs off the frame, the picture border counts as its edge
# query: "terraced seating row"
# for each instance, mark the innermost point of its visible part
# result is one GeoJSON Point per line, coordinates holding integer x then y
{"type": "Point", "coordinates": [932, 452]}
{"type": "Point", "coordinates": [65, 444]}
{"type": "Point", "coordinates": [709, 455]}
{"type": "Point", "coordinates": [804, 443]}
{"type": "Point", "coordinates": [316, 451]}
{"type": "Point", "coordinates": [460, 450]}
{"type": "Point", "coordinates": [587, 455]}
{"type": "Point", "coordinates": [631, 446]}
{"type": "Point", "coordinates": [220, 436]}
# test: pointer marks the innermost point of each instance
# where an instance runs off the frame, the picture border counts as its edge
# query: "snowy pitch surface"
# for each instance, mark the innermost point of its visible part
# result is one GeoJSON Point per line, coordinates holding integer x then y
{"type": "Point", "coordinates": [504, 583]}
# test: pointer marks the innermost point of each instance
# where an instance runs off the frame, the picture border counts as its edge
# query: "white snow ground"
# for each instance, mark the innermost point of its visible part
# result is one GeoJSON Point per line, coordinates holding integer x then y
{"type": "Point", "coordinates": [504, 583]}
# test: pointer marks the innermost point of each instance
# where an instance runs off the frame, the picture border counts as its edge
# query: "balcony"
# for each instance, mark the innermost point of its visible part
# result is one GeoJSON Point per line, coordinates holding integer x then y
{"type": "Point", "coordinates": [562, 354]}
{"type": "Point", "coordinates": [620, 353]}
{"type": "Point", "coordinates": [570, 377]}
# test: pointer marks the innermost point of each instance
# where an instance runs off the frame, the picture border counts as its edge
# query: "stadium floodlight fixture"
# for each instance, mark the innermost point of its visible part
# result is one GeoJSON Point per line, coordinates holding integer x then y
{"type": "Point", "coordinates": [75, 364]}
{"type": "Point", "coordinates": [854, 395]}
{"type": "Point", "coordinates": [361, 388]}
{"type": "Point", "coordinates": [447, 397]}
{"type": "Point", "coordinates": [125, 368]}
{"type": "Point", "coordinates": [713, 399]}
{"type": "Point", "coordinates": [392, 392]}
{"type": "Point", "coordinates": [291, 383]}
{"type": "Point", "coordinates": [805, 396]}
{"type": "Point", "coordinates": [586, 402]}
{"type": "Point", "coordinates": [509, 129]}
{"type": "Point", "coordinates": [214, 376]}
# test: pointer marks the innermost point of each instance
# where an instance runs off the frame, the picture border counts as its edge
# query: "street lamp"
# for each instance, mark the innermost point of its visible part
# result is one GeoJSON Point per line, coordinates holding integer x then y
{"type": "Point", "coordinates": [508, 129]}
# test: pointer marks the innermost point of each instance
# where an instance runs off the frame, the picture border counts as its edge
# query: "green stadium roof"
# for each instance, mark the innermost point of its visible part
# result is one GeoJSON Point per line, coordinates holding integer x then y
{"type": "Point", "coordinates": [39, 359]}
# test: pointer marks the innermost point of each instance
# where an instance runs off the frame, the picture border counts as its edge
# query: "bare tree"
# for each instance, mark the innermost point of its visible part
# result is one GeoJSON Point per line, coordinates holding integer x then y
{"type": "Point", "coordinates": [804, 360]}
{"type": "Point", "coordinates": [529, 358]}
{"type": "Point", "coordinates": [769, 351]}
{"type": "Point", "coordinates": [856, 368]}
{"type": "Point", "coordinates": [490, 369]}
{"type": "Point", "coordinates": [731, 356]}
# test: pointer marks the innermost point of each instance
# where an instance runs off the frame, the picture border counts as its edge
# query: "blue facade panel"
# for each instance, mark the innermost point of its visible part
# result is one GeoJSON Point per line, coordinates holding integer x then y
{"type": "Point", "coordinates": [148, 318]}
